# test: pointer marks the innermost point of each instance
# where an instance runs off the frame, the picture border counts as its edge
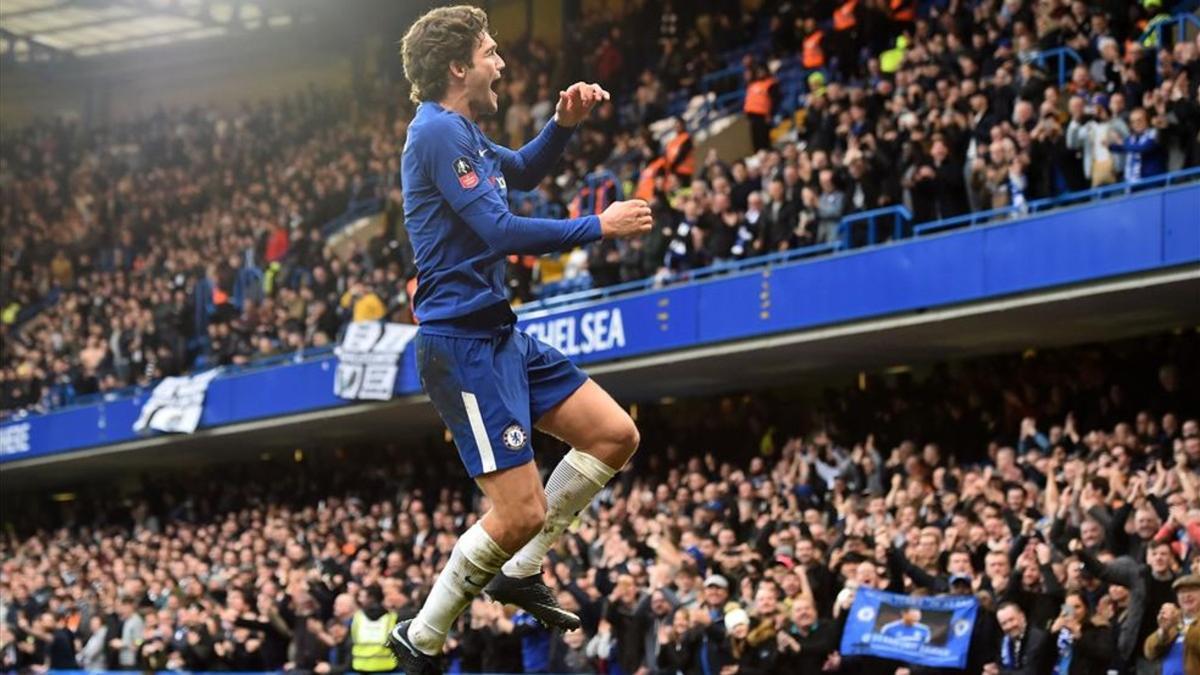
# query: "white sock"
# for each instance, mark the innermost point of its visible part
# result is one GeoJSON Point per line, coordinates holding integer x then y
{"type": "Point", "coordinates": [570, 488]}
{"type": "Point", "coordinates": [475, 560]}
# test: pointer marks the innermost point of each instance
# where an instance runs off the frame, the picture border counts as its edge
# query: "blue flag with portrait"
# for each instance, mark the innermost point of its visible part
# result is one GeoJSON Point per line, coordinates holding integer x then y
{"type": "Point", "coordinates": [925, 631]}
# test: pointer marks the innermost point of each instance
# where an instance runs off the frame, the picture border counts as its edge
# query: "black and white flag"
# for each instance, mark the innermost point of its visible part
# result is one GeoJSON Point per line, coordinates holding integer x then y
{"type": "Point", "coordinates": [176, 404]}
{"type": "Point", "coordinates": [369, 358]}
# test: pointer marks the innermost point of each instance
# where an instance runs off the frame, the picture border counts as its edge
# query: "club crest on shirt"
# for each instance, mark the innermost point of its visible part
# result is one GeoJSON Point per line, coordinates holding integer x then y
{"type": "Point", "coordinates": [465, 172]}
{"type": "Point", "coordinates": [514, 437]}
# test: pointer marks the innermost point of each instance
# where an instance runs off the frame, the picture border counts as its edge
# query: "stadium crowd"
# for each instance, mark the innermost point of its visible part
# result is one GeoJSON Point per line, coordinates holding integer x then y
{"type": "Point", "coordinates": [109, 232]}
{"type": "Point", "coordinates": [1061, 488]}
{"type": "Point", "coordinates": [194, 238]}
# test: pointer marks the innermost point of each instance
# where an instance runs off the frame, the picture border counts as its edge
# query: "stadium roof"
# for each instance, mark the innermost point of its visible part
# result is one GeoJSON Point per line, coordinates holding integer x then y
{"type": "Point", "coordinates": [49, 30]}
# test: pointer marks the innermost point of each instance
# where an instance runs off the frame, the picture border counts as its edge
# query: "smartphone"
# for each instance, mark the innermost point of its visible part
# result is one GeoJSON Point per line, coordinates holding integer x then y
{"type": "Point", "coordinates": [1068, 610]}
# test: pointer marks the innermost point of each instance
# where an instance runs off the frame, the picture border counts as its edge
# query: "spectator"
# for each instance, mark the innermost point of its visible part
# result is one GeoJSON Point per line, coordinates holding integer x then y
{"type": "Point", "coordinates": [1091, 130]}
{"type": "Point", "coordinates": [807, 643]}
{"type": "Point", "coordinates": [130, 629]}
{"type": "Point", "coordinates": [740, 652]}
{"type": "Point", "coordinates": [9, 651]}
{"type": "Point", "coordinates": [831, 206]}
{"type": "Point", "coordinates": [1175, 645]}
{"type": "Point", "coordinates": [368, 634]}
{"type": "Point", "coordinates": [762, 98]}
{"type": "Point", "coordinates": [780, 219]}
{"type": "Point", "coordinates": [1082, 645]}
{"type": "Point", "coordinates": [1144, 153]}
{"type": "Point", "coordinates": [1023, 648]}
{"type": "Point", "coordinates": [679, 153]}
{"type": "Point", "coordinates": [92, 658]}
{"type": "Point", "coordinates": [938, 190]}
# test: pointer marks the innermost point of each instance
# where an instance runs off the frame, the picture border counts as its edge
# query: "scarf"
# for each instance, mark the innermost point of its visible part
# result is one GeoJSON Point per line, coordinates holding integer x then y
{"type": "Point", "coordinates": [1066, 649]}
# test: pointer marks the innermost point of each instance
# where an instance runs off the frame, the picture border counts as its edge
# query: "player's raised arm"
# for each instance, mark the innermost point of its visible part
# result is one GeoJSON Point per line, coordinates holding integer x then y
{"type": "Point", "coordinates": [507, 233]}
{"type": "Point", "coordinates": [452, 161]}
{"type": "Point", "coordinates": [526, 167]}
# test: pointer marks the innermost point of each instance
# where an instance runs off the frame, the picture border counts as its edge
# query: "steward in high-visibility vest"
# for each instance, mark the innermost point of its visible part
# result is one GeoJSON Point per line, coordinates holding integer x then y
{"type": "Point", "coordinates": [758, 97]}
{"type": "Point", "coordinates": [813, 53]}
{"type": "Point", "coordinates": [645, 185]}
{"type": "Point", "coordinates": [679, 151]}
{"type": "Point", "coordinates": [761, 96]}
{"type": "Point", "coordinates": [368, 636]}
{"type": "Point", "coordinates": [843, 16]}
{"type": "Point", "coordinates": [904, 11]}
{"type": "Point", "coordinates": [890, 59]}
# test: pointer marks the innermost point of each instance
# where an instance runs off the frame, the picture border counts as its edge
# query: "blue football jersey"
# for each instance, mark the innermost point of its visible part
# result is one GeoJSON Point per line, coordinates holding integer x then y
{"type": "Point", "coordinates": [455, 185]}
{"type": "Point", "coordinates": [917, 633]}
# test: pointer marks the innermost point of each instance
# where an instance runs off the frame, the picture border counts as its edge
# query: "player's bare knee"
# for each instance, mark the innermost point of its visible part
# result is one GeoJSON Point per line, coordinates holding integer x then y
{"type": "Point", "coordinates": [624, 436]}
{"type": "Point", "coordinates": [530, 519]}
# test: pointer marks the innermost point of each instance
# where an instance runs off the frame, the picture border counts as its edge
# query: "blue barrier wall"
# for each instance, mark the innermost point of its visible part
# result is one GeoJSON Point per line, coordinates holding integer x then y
{"type": "Point", "coordinates": [1147, 231]}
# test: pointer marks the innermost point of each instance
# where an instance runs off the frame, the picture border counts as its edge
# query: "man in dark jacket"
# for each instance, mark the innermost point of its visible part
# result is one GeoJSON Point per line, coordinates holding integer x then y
{"type": "Point", "coordinates": [1149, 585]}
{"type": "Point", "coordinates": [628, 624]}
{"type": "Point", "coordinates": [807, 643]}
{"type": "Point", "coordinates": [939, 190]}
{"type": "Point", "coordinates": [778, 219]}
{"type": "Point", "coordinates": [1024, 649]}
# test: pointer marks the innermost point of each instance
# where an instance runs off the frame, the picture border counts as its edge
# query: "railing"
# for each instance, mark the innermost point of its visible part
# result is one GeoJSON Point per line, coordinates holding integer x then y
{"type": "Point", "coordinates": [718, 76]}
{"type": "Point", "coordinates": [1059, 53]}
{"type": "Point", "coordinates": [899, 215]}
{"type": "Point", "coordinates": [900, 218]}
{"type": "Point", "coordinates": [698, 274]}
{"type": "Point", "coordinates": [1065, 199]}
{"type": "Point", "coordinates": [1180, 22]}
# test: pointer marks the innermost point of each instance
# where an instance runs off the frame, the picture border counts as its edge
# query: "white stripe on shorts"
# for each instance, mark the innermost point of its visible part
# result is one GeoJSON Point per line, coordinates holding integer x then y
{"type": "Point", "coordinates": [486, 457]}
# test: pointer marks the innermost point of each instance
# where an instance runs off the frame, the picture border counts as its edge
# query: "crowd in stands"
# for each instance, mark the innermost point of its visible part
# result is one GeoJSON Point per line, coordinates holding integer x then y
{"type": "Point", "coordinates": [1061, 488]}
{"type": "Point", "coordinates": [194, 238]}
{"type": "Point", "coordinates": [185, 238]}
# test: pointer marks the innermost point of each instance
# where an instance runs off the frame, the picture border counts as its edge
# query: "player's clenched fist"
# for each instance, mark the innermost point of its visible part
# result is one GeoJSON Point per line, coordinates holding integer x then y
{"type": "Point", "coordinates": [626, 219]}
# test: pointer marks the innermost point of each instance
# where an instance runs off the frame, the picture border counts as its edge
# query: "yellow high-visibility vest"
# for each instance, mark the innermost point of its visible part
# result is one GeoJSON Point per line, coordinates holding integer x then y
{"type": "Point", "coordinates": [368, 650]}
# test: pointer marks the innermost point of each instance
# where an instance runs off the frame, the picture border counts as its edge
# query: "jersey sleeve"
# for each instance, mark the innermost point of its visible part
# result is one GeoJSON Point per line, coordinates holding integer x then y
{"type": "Point", "coordinates": [509, 234]}
{"type": "Point", "coordinates": [451, 161]}
{"type": "Point", "coordinates": [525, 168]}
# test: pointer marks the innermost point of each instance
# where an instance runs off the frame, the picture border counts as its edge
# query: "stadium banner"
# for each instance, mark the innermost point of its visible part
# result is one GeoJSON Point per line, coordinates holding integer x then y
{"type": "Point", "coordinates": [176, 404]}
{"type": "Point", "coordinates": [369, 359]}
{"type": "Point", "coordinates": [926, 631]}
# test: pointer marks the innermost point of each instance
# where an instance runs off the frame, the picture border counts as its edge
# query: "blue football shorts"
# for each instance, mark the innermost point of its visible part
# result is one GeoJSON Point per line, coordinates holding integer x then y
{"type": "Point", "coordinates": [490, 391]}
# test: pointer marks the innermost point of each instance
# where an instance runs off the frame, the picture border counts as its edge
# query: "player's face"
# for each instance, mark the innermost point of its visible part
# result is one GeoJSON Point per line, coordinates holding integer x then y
{"type": "Point", "coordinates": [483, 77]}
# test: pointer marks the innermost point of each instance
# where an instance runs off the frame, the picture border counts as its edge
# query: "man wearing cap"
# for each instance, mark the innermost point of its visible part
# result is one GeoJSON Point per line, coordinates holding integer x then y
{"type": "Point", "coordinates": [716, 597]}
{"type": "Point", "coordinates": [1175, 645]}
